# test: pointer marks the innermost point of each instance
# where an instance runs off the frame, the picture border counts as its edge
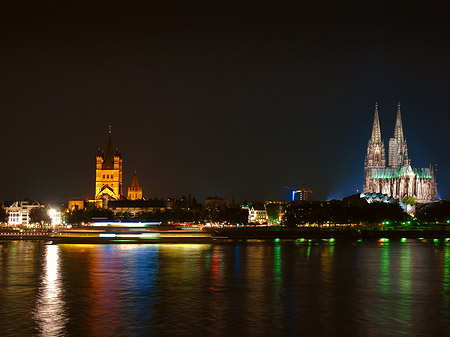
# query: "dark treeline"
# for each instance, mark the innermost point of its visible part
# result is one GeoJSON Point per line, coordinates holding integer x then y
{"type": "Point", "coordinates": [340, 212]}
{"type": "Point", "coordinates": [296, 213]}
{"type": "Point", "coordinates": [195, 213]}
{"type": "Point", "coordinates": [434, 212]}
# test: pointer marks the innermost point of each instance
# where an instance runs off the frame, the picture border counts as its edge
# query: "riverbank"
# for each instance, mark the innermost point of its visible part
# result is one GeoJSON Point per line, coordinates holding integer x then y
{"type": "Point", "coordinates": [243, 233]}
{"type": "Point", "coordinates": [321, 233]}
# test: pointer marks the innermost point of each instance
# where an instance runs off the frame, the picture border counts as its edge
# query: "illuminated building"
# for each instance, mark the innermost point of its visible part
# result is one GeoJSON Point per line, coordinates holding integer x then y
{"type": "Point", "coordinates": [75, 204]}
{"type": "Point", "coordinates": [300, 195]}
{"type": "Point", "coordinates": [135, 191]}
{"type": "Point", "coordinates": [19, 211]}
{"type": "Point", "coordinates": [257, 213]}
{"type": "Point", "coordinates": [55, 216]}
{"type": "Point", "coordinates": [398, 179]}
{"type": "Point", "coordinates": [108, 177]}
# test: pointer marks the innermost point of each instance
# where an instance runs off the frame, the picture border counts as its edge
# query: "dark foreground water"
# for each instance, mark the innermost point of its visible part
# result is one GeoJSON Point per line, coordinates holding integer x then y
{"type": "Point", "coordinates": [244, 289]}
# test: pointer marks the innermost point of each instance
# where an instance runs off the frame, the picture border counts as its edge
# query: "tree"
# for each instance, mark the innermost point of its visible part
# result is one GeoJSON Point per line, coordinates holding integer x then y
{"type": "Point", "coordinates": [90, 213]}
{"type": "Point", "coordinates": [39, 215]}
{"type": "Point", "coordinates": [273, 212]}
{"type": "Point", "coordinates": [3, 215]}
{"type": "Point", "coordinates": [436, 211]}
{"type": "Point", "coordinates": [409, 200]}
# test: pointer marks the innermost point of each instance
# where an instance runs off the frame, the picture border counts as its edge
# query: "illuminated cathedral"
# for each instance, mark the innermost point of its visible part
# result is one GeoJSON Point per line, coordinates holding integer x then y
{"type": "Point", "coordinates": [397, 179]}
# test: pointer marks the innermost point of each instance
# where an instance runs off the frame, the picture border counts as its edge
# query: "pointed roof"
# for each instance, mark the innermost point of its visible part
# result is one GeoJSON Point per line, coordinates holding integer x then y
{"type": "Point", "coordinates": [376, 130]}
{"type": "Point", "coordinates": [398, 131]}
{"type": "Point", "coordinates": [134, 183]}
{"type": "Point", "coordinates": [108, 163]}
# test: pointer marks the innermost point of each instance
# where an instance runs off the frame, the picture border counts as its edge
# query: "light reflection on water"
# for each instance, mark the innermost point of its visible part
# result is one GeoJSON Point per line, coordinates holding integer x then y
{"type": "Point", "coordinates": [272, 288]}
{"type": "Point", "coordinates": [49, 313]}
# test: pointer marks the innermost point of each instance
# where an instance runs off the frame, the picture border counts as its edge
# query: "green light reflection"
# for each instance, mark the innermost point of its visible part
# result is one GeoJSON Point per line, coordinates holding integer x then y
{"type": "Point", "coordinates": [384, 282]}
{"type": "Point", "coordinates": [446, 271]}
{"type": "Point", "coordinates": [277, 280]}
{"type": "Point", "coordinates": [405, 287]}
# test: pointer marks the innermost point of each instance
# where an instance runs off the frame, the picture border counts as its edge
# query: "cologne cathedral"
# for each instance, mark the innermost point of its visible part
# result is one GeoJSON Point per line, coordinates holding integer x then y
{"type": "Point", "coordinates": [397, 179]}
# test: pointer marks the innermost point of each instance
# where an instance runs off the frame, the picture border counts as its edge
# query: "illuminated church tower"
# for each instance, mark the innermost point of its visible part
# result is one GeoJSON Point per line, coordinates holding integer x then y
{"type": "Point", "coordinates": [108, 176]}
{"type": "Point", "coordinates": [375, 156]}
{"type": "Point", "coordinates": [135, 191]}
{"type": "Point", "coordinates": [398, 151]}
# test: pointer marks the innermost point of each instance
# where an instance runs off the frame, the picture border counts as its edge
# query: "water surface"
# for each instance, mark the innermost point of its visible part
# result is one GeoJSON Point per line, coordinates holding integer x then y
{"type": "Point", "coordinates": [244, 289]}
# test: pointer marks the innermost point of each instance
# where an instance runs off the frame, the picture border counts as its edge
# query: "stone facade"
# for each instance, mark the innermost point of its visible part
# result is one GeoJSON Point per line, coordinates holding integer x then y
{"type": "Point", "coordinates": [108, 174]}
{"type": "Point", "coordinates": [398, 179]}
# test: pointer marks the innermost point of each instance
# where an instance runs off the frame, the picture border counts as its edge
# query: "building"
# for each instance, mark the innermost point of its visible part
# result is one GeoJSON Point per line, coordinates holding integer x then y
{"type": "Point", "coordinates": [19, 212]}
{"type": "Point", "coordinates": [135, 207]}
{"type": "Point", "coordinates": [257, 213]}
{"type": "Point", "coordinates": [135, 191]}
{"type": "Point", "coordinates": [301, 194]}
{"type": "Point", "coordinates": [216, 203]}
{"type": "Point", "coordinates": [75, 204]}
{"type": "Point", "coordinates": [397, 179]}
{"type": "Point", "coordinates": [108, 176]}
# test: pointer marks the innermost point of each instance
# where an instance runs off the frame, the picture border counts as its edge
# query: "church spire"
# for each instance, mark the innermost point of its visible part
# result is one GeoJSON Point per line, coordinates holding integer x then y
{"type": "Point", "coordinates": [108, 164]}
{"type": "Point", "coordinates": [376, 130]}
{"type": "Point", "coordinates": [135, 191]}
{"type": "Point", "coordinates": [398, 131]}
{"type": "Point", "coordinates": [135, 183]}
{"type": "Point", "coordinates": [399, 149]}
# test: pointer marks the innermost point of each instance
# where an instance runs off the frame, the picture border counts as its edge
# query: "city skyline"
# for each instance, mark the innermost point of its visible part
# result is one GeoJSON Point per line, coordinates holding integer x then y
{"type": "Point", "coordinates": [219, 98]}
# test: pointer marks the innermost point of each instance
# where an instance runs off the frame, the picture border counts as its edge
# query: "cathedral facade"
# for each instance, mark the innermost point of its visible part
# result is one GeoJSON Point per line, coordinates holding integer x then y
{"type": "Point", "coordinates": [396, 178]}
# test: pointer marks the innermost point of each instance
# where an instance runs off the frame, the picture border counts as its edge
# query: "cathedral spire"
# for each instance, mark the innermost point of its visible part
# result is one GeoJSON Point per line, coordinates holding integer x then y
{"type": "Point", "coordinates": [398, 131]}
{"type": "Point", "coordinates": [376, 130]}
{"type": "Point", "coordinates": [108, 164]}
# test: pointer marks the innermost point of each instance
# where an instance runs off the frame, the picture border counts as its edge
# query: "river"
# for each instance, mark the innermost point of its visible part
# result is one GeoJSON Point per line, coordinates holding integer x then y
{"type": "Point", "coordinates": [270, 288]}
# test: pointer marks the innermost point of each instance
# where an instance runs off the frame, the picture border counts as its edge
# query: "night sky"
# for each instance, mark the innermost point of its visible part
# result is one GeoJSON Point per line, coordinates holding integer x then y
{"type": "Point", "coordinates": [214, 97]}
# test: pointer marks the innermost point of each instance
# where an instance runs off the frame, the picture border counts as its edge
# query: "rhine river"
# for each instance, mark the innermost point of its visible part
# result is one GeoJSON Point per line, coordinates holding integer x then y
{"type": "Point", "coordinates": [287, 288]}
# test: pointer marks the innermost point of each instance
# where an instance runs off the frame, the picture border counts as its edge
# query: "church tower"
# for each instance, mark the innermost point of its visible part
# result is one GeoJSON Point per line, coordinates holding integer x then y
{"type": "Point", "coordinates": [108, 176]}
{"type": "Point", "coordinates": [375, 157]}
{"type": "Point", "coordinates": [135, 191]}
{"type": "Point", "coordinates": [398, 150]}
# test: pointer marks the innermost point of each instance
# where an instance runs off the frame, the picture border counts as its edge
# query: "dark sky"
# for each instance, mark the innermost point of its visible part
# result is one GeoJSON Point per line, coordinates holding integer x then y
{"type": "Point", "coordinates": [216, 97]}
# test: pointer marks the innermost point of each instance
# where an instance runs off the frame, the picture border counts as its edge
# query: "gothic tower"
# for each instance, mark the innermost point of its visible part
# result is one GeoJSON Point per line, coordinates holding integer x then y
{"type": "Point", "coordinates": [108, 177]}
{"type": "Point", "coordinates": [399, 180]}
{"type": "Point", "coordinates": [375, 157]}
{"type": "Point", "coordinates": [398, 150]}
{"type": "Point", "coordinates": [135, 191]}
